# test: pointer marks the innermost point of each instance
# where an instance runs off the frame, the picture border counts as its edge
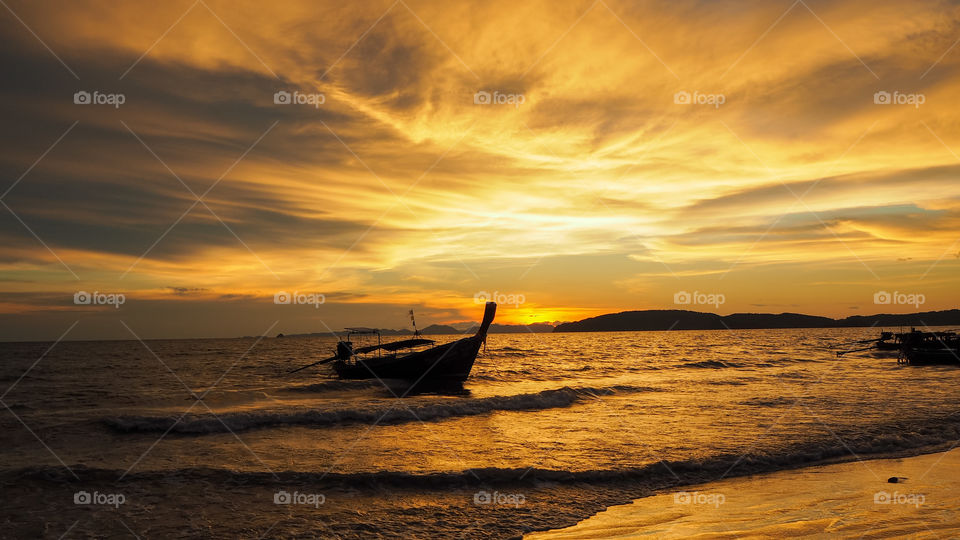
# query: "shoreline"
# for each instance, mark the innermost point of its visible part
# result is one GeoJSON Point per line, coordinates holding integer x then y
{"type": "Point", "coordinates": [434, 509]}
{"type": "Point", "coordinates": [846, 497]}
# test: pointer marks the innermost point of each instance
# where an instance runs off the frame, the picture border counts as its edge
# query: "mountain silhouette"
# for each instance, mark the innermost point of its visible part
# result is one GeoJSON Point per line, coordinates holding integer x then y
{"type": "Point", "coordinates": [676, 319]}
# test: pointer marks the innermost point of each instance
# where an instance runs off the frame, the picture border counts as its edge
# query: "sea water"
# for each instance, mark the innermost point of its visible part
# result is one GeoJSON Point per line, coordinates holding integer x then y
{"type": "Point", "coordinates": [213, 439]}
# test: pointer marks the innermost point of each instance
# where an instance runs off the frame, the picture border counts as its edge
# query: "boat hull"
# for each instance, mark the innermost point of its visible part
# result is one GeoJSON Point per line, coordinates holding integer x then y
{"type": "Point", "coordinates": [930, 348]}
{"type": "Point", "coordinates": [451, 362]}
{"type": "Point", "coordinates": [447, 363]}
{"type": "Point", "coordinates": [932, 357]}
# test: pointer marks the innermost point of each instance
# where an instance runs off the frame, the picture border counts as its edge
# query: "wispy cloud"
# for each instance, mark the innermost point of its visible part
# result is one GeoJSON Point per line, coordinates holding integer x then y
{"type": "Point", "coordinates": [405, 186]}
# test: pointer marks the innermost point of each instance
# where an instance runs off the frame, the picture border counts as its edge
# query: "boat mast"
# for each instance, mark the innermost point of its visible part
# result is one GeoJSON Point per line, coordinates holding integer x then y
{"type": "Point", "coordinates": [416, 333]}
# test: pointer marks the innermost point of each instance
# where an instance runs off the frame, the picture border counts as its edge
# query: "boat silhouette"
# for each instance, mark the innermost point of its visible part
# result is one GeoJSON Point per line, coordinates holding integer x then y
{"type": "Point", "coordinates": [930, 348]}
{"type": "Point", "coordinates": [450, 362]}
{"type": "Point", "coordinates": [447, 363]}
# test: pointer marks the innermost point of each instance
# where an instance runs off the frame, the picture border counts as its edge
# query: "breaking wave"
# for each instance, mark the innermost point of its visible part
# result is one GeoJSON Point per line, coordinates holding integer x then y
{"type": "Point", "coordinates": [897, 442]}
{"type": "Point", "coordinates": [335, 385]}
{"type": "Point", "coordinates": [391, 413]}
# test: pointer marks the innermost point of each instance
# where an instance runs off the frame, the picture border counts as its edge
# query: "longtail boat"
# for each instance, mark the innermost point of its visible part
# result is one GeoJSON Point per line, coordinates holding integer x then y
{"type": "Point", "coordinates": [888, 341]}
{"type": "Point", "coordinates": [447, 363]}
{"type": "Point", "coordinates": [450, 362]}
{"type": "Point", "coordinates": [930, 348]}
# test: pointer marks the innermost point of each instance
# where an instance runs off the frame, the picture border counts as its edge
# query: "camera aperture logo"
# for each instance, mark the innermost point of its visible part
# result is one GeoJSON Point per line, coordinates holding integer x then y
{"type": "Point", "coordinates": [283, 97]}
{"type": "Point", "coordinates": [684, 298]}
{"type": "Point", "coordinates": [897, 98]}
{"type": "Point", "coordinates": [306, 499]}
{"type": "Point", "coordinates": [106, 499]}
{"type": "Point", "coordinates": [481, 498]}
{"type": "Point", "coordinates": [898, 298]}
{"type": "Point", "coordinates": [99, 98]}
{"type": "Point", "coordinates": [483, 97]}
{"type": "Point", "coordinates": [913, 499]}
{"type": "Point", "coordinates": [299, 298]}
{"type": "Point", "coordinates": [697, 98]}
{"type": "Point", "coordinates": [696, 497]}
{"type": "Point", "coordinates": [97, 298]}
{"type": "Point", "coordinates": [503, 299]}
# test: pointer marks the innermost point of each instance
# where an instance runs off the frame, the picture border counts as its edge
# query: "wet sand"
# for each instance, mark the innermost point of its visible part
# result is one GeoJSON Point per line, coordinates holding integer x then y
{"type": "Point", "coordinates": [852, 499]}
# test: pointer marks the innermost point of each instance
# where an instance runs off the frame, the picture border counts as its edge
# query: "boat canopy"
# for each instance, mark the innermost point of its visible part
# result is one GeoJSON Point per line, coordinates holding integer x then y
{"type": "Point", "coordinates": [396, 345]}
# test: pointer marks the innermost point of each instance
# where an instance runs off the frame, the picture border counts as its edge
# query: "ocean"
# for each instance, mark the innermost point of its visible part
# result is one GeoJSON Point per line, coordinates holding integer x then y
{"type": "Point", "coordinates": [108, 439]}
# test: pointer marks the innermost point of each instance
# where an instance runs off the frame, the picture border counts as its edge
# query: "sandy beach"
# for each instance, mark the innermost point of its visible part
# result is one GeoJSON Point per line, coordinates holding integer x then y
{"type": "Point", "coordinates": [844, 500]}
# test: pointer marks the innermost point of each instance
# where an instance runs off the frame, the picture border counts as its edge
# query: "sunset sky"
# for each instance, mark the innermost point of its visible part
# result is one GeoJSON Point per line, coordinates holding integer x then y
{"type": "Point", "coordinates": [789, 182]}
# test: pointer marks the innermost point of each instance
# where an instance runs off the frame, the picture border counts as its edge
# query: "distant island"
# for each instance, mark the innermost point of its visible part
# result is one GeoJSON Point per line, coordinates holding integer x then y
{"type": "Point", "coordinates": [678, 319]}
{"type": "Point", "coordinates": [674, 319]}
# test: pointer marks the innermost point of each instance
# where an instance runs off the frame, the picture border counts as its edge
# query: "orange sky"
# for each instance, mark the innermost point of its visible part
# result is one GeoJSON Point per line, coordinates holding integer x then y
{"type": "Point", "coordinates": [790, 181]}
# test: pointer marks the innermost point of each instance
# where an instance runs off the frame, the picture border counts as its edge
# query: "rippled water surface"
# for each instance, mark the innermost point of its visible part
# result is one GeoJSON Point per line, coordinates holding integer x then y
{"type": "Point", "coordinates": [590, 406]}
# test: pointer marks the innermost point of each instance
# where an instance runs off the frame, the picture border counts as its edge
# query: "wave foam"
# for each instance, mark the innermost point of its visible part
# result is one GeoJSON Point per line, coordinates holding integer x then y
{"type": "Point", "coordinates": [335, 385]}
{"type": "Point", "coordinates": [389, 414]}
{"type": "Point", "coordinates": [935, 437]}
